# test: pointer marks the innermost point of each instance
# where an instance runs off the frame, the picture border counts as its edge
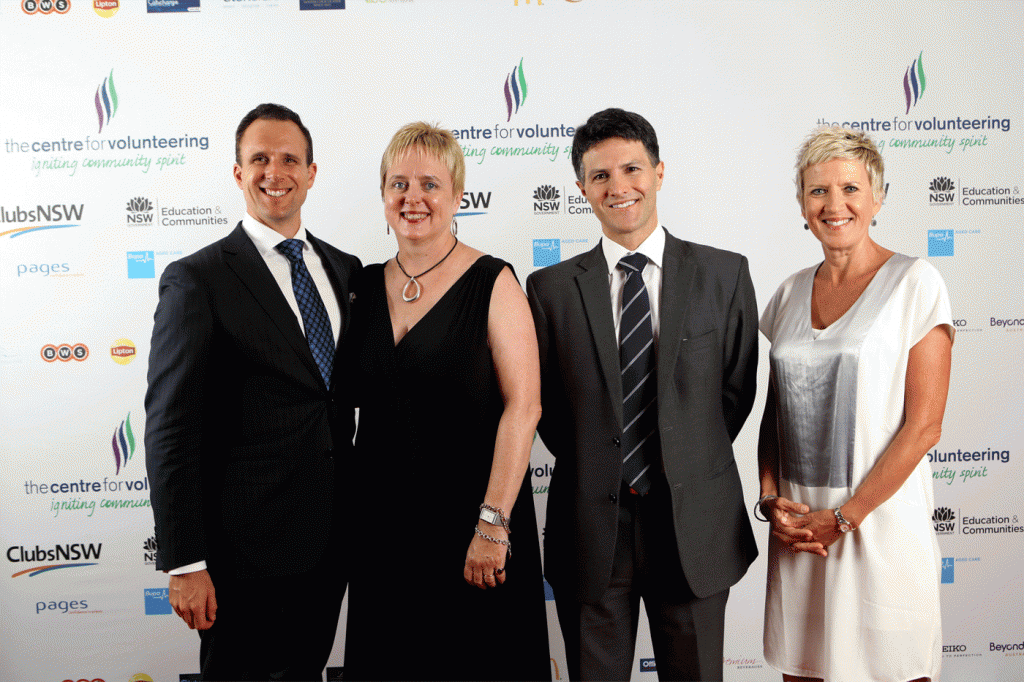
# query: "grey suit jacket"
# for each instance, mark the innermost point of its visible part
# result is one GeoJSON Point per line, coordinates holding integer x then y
{"type": "Point", "coordinates": [706, 370]}
{"type": "Point", "coordinates": [242, 436]}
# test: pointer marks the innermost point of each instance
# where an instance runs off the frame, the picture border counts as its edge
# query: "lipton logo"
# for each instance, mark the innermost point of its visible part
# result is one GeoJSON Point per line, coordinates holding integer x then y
{"type": "Point", "coordinates": [913, 82]}
{"type": "Point", "coordinates": [106, 100]}
{"type": "Point", "coordinates": [123, 444]}
{"type": "Point", "coordinates": [122, 351]}
{"type": "Point", "coordinates": [515, 90]}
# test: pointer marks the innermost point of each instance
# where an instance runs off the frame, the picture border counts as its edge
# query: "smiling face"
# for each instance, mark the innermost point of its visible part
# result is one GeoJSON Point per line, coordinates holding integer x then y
{"type": "Point", "coordinates": [838, 204]}
{"type": "Point", "coordinates": [419, 196]}
{"type": "Point", "coordinates": [622, 187]}
{"type": "Point", "coordinates": [273, 174]}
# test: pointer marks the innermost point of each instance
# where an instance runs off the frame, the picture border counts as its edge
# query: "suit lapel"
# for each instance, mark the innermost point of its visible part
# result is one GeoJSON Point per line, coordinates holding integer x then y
{"type": "Point", "coordinates": [677, 279]}
{"type": "Point", "coordinates": [593, 284]}
{"type": "Point", "coordinates": [242, 257]}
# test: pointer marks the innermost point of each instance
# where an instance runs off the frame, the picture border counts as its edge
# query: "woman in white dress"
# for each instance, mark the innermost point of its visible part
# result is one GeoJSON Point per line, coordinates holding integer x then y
{"type": "Point", "coordinates": [860, 361]}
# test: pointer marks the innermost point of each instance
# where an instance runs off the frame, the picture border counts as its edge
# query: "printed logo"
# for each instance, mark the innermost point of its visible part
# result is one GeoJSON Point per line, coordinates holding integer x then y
{"type": "Point", "coordinates": [172, 5]}
{"type": "Point", "coordinates": [140, 677]}
{"type": "Point", "coordinates": [944, 520]}
{"type": "Point", "coordinates": [124, 438]}
{"type": "Point", "coordinates": [947, 570]}
{"type": "Point", "coordinates": [474, 200]}
{"type": "Point", "coordinates": [57, 213]}
{"type": "Point", "coordinates": [157, 602]}
{"type": "Point", "coordinates": [122, 351]}
{"type": "Point", "coordinates": [1016, 646]}
{"type": "Point", "coordinates": [141, 265]}
{"type": "Point", "coordinates": [63, 606]}
{"type": "Point", "coordinates": [65, 352]}
{"type": "Point", "coordinates": [545, 201]}
{"type": "Point", "coordinates": [515, 89]}
{"type": "Point", "coordinates": [106, 8]}
{"type": "Point", "coordinates": [940, 242]}
{"type": "Point", "coordinates": [70, 554]}
{"type": "Point", "coordinates": [546, 252]}
{"type": "Point", "coordinates": [647, 665]}
{"type": "Point", "coordinates": [913, 82]}
{"type": "Point", "coordinates": [321, 4]}
{"type": "Point", "coordinates": [44, 269]}
{"type": "Point", "coordinates": [149, 551]}
{"type": "Point", "coordinates": [942, 192]}
{"type": "Point", "coordinates": [140, 212]}
{"type": "Point", "coordinates": [45, 6]}
{"type": "Point", "coordinates": [106, 99]}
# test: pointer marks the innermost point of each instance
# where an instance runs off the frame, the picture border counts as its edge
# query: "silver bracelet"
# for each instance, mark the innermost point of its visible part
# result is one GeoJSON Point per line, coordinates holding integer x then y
{"type": "Point", "coordinates": [496, 515]}
{"type": "Point", "coordinates": [485, 536]}
{"type": "Point", "coordinates": [757, 507]}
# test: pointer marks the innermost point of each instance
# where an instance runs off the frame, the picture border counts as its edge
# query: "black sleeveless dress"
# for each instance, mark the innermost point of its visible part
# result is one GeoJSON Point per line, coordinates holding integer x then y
{"type": "Point", "coordinates": [429, 412]}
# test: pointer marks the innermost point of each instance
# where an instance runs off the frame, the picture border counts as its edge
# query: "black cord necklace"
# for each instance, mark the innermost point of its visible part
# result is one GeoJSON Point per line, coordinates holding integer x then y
{"type": "Point", "coordinates": [412, 278]}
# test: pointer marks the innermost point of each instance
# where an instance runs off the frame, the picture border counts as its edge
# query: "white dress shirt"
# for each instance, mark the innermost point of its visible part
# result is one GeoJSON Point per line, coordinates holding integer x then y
{"type": "Point", "coordinates": [265, 239]}
{"type": "Point", "coordinates": [654, 248]}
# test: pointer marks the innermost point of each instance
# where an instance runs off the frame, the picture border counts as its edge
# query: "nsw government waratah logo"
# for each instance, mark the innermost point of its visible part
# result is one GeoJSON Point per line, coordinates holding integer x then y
{"type": "Point", "coordinates": [515, 90]}
{"type": "Point", "coordinates": [941, 192]}
{"type": "Point", "coordinates": [140, 212]}
{"type": "Point", "coordinates": [546, 200]}
{"type": "Point", "coordinates": [913, 82]}
{"type": "Point", "coordinates": [944, 520]}
{"type": "Point", "coordinates": [106, 100]}
{"type": "Point", "coordinates": [123, 444]}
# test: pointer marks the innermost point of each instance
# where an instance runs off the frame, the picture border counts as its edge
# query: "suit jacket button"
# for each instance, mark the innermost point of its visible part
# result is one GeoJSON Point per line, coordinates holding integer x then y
{"type": "Point", "coordinates": [330, 453]}
{"type": "Point", "coordinates": [617, 442]}
{"type": "Point", "coordinates": [613, 498]}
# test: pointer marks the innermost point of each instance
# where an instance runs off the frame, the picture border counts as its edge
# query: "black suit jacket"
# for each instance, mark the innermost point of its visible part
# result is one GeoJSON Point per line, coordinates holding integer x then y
{"type": "Point", "coordinates": [706, 370]}
{"type": "Point", "coordinates": [242, 435]}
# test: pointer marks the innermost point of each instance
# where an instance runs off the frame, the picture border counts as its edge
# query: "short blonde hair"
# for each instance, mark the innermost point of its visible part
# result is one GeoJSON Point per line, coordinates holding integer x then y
{"type": "Point", "coordinates": [836, 142]}
{"type": "Point", "coordinates": [435, 141]}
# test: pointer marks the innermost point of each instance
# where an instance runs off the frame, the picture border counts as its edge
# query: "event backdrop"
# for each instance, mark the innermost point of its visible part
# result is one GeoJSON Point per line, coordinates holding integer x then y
{"type": "Point", "coordinates": [116, 131]}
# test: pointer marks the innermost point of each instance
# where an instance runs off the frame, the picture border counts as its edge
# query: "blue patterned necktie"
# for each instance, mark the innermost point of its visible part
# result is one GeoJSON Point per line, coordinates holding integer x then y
{"type": "Point", "coordinates": [314, 314]}
{"type": "Point", "coordinates": [639, 383]}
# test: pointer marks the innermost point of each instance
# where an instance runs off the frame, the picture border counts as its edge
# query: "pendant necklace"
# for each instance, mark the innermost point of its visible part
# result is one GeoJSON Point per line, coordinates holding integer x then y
{"type": "Point", "coordinates": [412, 278]}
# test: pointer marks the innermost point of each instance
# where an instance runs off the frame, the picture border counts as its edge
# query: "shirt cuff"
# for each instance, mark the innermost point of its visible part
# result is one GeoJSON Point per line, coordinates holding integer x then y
{"type": "Point", "coordinates": [189, 568]}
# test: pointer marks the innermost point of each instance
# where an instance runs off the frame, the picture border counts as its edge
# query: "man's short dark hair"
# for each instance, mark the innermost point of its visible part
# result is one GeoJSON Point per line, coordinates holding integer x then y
{"type": "Point", "coordinates": [608, 124]}
{"type": "Point", "coordinates": [273, 112]}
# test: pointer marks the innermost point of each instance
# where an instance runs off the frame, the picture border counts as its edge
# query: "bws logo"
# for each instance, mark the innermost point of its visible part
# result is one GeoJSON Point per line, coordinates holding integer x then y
{"type": "Point", "coordinates": [942, 192]}
{"type": "Point", "coordinates": [123, 351]}
{"type": "Point", "coordinates": [913, 82]}
{"type": "Point", "coordinates": [106, 97]}
{"type": "Point", "coordinates": [545, 200]}
{"type": "Point", "coordinates": [124, 437]}
{"type": "Point", "coordinates": [64, 352]}
{"type": "Point", "coordinates": [71, 552]}
{"type": "Point", "coordinates": [944, 520]}
{"type": "Point", "coordinates": [140, 211]}
{"type": "Point", "coordinates": [45, 6]}
{"type": "Point", "coordinates": [515, 89]}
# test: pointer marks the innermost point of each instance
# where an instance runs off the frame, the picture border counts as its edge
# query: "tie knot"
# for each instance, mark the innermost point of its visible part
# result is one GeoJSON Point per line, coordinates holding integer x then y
{"type": "Point", "coordinates": [633, 262]}
{"type": "Point", "coordinates": [291, 248]}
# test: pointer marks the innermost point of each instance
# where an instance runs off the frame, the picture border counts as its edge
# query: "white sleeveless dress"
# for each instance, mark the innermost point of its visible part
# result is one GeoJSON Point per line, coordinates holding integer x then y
{"type": "Point", "coordinates": [870, 610]}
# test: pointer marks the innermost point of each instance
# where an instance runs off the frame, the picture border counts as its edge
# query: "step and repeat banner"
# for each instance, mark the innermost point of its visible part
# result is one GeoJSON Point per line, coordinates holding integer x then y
{"type": "Point", "coordinates": [117, 122]}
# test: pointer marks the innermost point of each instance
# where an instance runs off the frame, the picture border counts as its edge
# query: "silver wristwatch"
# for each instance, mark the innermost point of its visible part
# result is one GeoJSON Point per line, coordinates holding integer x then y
{"type": "Point", "coordinates": [844, 525]}
{"type": "Point", "coordinates": [491, 517]}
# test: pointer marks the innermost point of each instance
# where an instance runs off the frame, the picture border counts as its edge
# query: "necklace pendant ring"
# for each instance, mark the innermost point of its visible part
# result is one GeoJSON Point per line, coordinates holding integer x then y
{"type": "Point", "coordinates": [405, 290]}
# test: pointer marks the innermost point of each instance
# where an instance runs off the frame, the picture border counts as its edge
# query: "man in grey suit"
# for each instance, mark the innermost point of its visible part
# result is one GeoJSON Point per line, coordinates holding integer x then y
{"type": "Point", "coordinates": [648, 349]}
{"type": "Point", "coordinates": [248, 420]}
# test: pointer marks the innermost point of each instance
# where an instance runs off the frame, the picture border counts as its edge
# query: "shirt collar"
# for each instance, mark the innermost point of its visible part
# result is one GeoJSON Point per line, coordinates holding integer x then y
{"type": "Point", "coordinates": [653, 247]}
{"type": "Point", "coordinates": [266, 239]}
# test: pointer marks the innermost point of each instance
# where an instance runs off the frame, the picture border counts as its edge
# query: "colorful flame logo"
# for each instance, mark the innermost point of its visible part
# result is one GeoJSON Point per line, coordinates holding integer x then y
{"type": "Point", "coordinates": [515, 90]}
{"type": "Point", "coordinates": [106, 99]}
{"type": "Point", "coordinates": [123, 443]}
{"type": "Point", "coordinates": [913, 82]}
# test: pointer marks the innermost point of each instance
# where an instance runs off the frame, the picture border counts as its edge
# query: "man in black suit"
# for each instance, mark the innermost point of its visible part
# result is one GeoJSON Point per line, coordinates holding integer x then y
{"type": "Point", "coordinates": [247, 421]}
{"type": "Point", "coordinates": [649, 371]}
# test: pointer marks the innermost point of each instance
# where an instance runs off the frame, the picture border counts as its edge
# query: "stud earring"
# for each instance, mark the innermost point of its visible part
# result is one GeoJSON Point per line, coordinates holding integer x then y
{"type": "Point", "coordinates": [806, 226]}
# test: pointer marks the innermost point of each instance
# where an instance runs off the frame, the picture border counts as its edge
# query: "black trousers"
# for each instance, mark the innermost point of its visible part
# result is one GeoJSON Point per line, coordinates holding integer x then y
{"type": "Point", "coordinates": [687, 632]}
{"type": "Point", "coordinates": [279, 628]}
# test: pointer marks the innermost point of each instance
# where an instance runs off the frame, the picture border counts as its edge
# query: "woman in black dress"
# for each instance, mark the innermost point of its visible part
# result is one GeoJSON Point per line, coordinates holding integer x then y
{"type": "Point", "coordinates": [449, 386]}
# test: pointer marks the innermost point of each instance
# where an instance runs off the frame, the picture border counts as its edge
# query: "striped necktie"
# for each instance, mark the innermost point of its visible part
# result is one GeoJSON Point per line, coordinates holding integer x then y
{"type": "Point", "coordinates": [639, 383]}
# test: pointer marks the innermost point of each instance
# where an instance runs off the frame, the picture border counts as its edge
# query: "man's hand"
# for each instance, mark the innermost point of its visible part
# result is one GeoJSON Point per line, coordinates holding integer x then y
{"type": "Point", "coordinates": [194, 599]}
